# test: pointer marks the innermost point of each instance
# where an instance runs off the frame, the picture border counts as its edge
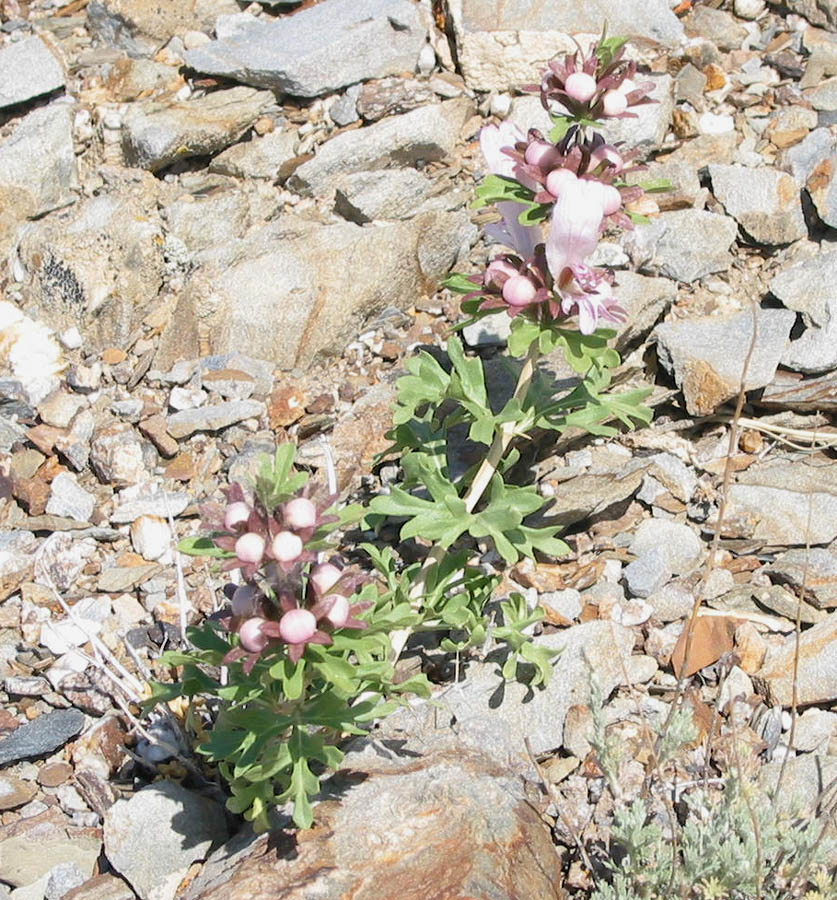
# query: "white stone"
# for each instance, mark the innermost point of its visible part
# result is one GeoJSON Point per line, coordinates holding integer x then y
{"type": "Point", "coordinates": [715, 123]}
{"type": "Point", "coordinates": [151, 538]}
{"type": "Point", "coordinates": [748, 9]}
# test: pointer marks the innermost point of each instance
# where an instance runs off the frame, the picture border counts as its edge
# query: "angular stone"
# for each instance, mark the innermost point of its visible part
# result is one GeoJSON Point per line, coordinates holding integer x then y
{"type": "Point", "coordinates": [131, 79]}
{"type": "Point", "coordinates": [364, 196]}
{"type": "Point", "coordinates": [147, 500]}
{"type": "Point", "coordinates": [41, 736]}
{"type": "Point", "coordinates": [817, 12]}
{"type": "Point", "coordinates": [647, 131]}
{"type": "Point", "coordinates": [118, 579]}
{"type": "Point", "coordinates": [685, 245]}
{"type": "Point", "coordinates": [392, 97]}
{"type": "Point", "coordinates": [393, 835]}
{"type": "Point", "coordinates": [706, 355]}
{"type": "Point", "coordinates": [822, 186]}
{"type": "Point", "coordinates": [101, 887]}
{"type": "Point", "coordinates": [681, 546]}
{"type": "Point", "coordinates": [804, 157]}
{"type": "Point", "coordinates": [817, 671]}
{"type": "Point", "coordinates": [153, 838]}
{"type": "Point", "coordinates": [595, 495]}
{"type": "Point", "coordinates": [320, 49]}
{"type": "Point", "coordinates": [429, 133]}
{"type": "Point", "coordinates": [37, 167]}
{"type": "Point", "coordinates": [15, 793]}
{"type": "Point", "coordinates": [648, 573]}
{"type": "Point", "coordinates": [646, 301]}
{"type": "Point", "coordinates": [234, 303]}
{"type": "Point", "coordinates": [790, 391]}
{"type": "Point", "coordinates": [28, 69]}
{"type": "Point", "coordinates": [816, 569]}
{"type": "Point", "coordinates": [507, 44]}
{"type": "Point", "coordinates": [116, 455]}
{"type": "Point", "coordinates": [716, 26]}
{"type": "Point", "coordinates": [774, 499]}
{"type": "Point", "coordinates": [764, 202]}
{"type": "Point", "coordinates": [154, 137]}
{"type": "Point", "coordinates": [260, 157]}
{"type": "Point", "coordinates": [68, 498]}
{"type": "Point", "coordinates": [213, 418]}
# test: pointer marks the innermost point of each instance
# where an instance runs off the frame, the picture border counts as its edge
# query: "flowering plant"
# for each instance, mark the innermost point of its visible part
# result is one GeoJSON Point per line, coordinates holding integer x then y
{"type": "Point", "coordinates": [304, 654]}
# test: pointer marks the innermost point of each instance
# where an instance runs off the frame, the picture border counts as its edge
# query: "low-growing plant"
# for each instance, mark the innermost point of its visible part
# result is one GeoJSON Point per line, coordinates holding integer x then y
{"type": "Point", "coordinates": [304, 653]}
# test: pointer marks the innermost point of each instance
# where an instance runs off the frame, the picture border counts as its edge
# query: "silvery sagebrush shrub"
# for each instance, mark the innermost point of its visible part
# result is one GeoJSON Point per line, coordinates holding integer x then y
{"type": "Point", "coordinates": [304, 652]}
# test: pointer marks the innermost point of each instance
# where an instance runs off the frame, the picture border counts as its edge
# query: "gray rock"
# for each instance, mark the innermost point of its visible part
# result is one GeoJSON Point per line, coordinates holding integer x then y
{"type": "Point", "coordinates": [823, 97]}
{"type": "Point", "coordinates": [566, 603]}
{"type": "Point", "coordinates": [116, 455]}
{"type": "Point", "coordinates": [153, 838]}
{"type": "Point", "coordinates": [789, 391]}
{"type": "Point", "coordinates": [16, 549]}
{"type": "Point", "coordinates": [817, 12]}
{"type": "Point", "coordinates": [648, 573]}
{"type": "Point", "coordinates": [502, 45]}
{"type": "Point", "coordinates": [28, 69]}
{"type": "Point", "coordinates": [344, 109]}
{"type": "Point", "coordinates": [41, 736]}
{"type": "Point", "coordinates": [319, 49]}
{"type": "Point", "coordinates": [37, 167]}
{"type": "Point", "coordinates": [98, 266]}
{"type": "Point", "coordinates": [716, 26]}
{"type": "Point", "coordinates": [706, 355]}
{"type": "Point", "coordinates": [685, 245]}
{"type": "Point", "coordinates": [689, 86]}
{"type": "Point", "coordinates": [647, 131]}
{"type": "Point", "coordinates": [681, 546]}
{"type": "Point", "coordinates": [822, 186]}
{"type": "Point", "coordinates": [428, 133]}
{"type": "Point", "coordinates": [60, 559]}
{"type": "Point", "coordinates": [671, 602]}
{"type": "Point", "coordinates": [595, 495]}
{"type": "Point", "coordinates": [235, 299]}
{"type": "Point", "coordinates": [62, 879]}
{"type": "Point", "coordinates": [813, 729]}
{"type": "Point", "coordinates": [363, 196]}
{"type": "Point", "coordinates": [764, 202]}
{"type": "Point", "coordinates": [646, 301]}
{"type": "Point", "coordinates": [809, 287]}
{"type": "Point", "coordinates": [68, 498]}
{"type": "Point", "coordinates": [260, 157]}
{"type": "Point", "coordinates": [155, 136]}
{"type": "Point", "coordinates": [260, 370]}
{"type": "Point", "coordinates": [773, 501]}
{"type": "Point", "coordinates": [494, 716]}
{"type": "Point", "coordinates": [816, 569]}
{"type": "Point", "coordinates": [674, 475]}
{"type": "Point", "coordinates": [205, 222]}
{"type": "Point", "coordinates": [212, 418]}
{"type": "Point", "coordinates": [491, 331]}
{"type": "Point", "coordinates": [147, 501]}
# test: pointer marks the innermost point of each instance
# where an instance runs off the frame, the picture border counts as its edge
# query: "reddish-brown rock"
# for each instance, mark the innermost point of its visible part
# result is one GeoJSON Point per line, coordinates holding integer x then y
{"type": "Point", "coordinates": [438, 828]}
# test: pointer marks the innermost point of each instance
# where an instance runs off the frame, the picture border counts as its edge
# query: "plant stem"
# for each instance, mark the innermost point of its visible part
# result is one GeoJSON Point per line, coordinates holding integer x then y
{"type": "Point", "coordinates": [482, 479]}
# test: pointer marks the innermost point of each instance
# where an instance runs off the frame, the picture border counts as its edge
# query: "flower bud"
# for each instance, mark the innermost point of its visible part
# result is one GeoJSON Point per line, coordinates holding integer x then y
{"type": "Point", "coordinates": [615, 103]}
{"type": "Point", "coordinates": [519, 291]}
{"type": "Point", "coordinates": [251, 636]}
{"type": "Point", "coordinates": [540, 153]}
{"type": "Point", "coordinates": [237, 514]}
{"type": "Point", "coordinates": [249, 548]}
{"type": "Point", "coordinates": [612, 199]}
{"type": "Point", "coordinates": [324, 577]}
{"type": "Point", "coordinates": [605, 153]}
{"type": "Point", "coordinates": [558, 179]}
{"type": "Point", "coordinates": [497, 272]}
{"type": "Point", "coordinates": [339, 612]}
{"type": "Point", "coordinates": [286, 546]}
{"type": "Point", "coordinates": [580, 86]}
{"type": "Point", "coordinates": [297, 626]}
{"type": "Point", "coordinates": [300, 513]}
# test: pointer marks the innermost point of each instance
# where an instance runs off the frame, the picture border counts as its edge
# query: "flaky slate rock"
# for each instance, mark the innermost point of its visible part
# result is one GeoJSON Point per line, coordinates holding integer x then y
{"type": "Point", "coordinates": [685, 244]}
{"type": "Point", "coordinates": [502, 44]}
{"type": "Point", "coordinates": [28, 69]}
{"type": "Point", "coordinates": [706, 355]}
{"type": "Point", "coordinates": [814, 570]}
{"type": "Point", "coordinates": [154, 837]}
{"type": "Point", "coordinates": [213, 417]}
{"type": "Point", "coordinates": [448, 825]}
{"type": "Point", "coordinates": [765, 202]}
{"type": "Point", "coordinates": [429, 133]}
{"type": "Point", "coordinates": [155, 136]}
{"type": "Point", "coordinates": [41, 736]}
{"type": "Point", "coordinates": [822, 186]}
{"type": "Point", "coordinates": [320, 49]}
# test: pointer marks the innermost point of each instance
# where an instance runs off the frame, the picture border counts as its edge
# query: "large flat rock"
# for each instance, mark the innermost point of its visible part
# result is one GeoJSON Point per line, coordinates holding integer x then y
{"type": "Point", "coordinates": [28, 69]}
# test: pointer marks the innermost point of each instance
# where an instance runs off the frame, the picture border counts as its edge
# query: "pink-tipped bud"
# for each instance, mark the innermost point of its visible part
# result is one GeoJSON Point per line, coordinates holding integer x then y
{"type": "Point", "coordinates": [300, 513]}
{"type": "Point", "coordinates": [580, 86]}
{"type": "Point", "coordinates": [558, 179]}
{"type": "Point", "coordinates": [339, 612]}
{"type": "Point", "coordinates": [614, 103]}
{"type": "Point", "coordinates": [251, 636]}
{"type": "Point", "coordinates": [519, 291]}
{"type": "Point", "coordinates": [297, 626]}
{"type": "Point", "coordinates": [244, 600]}
{"type": "Point", "coordinates": [324, 577]}
{"type": "Point", "coordinates": [286, 546]}
{"type": "Point", "coordinates": [497, 273]}
{"type": "Point", "coordinates": [541, 153]}
{"type": "Point", "coordinates": [249, 548]}
{"type": "Point", "coordinates": [604, 153]}
{"type": "Point", "coordinates": [237, 514]}
{"type": "Point", "coordinates": [612, 199]}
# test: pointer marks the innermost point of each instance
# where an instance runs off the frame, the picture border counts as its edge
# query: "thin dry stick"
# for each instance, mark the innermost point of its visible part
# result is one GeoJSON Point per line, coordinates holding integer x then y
{"type": "Point", "coordinates": [716, 539]}
{"type": "Point", "coordinates": [747, 802]}
{"type": "Point", "coordinates": [182, 600]}
{"type": "Point", "coordinates": [481, 481]}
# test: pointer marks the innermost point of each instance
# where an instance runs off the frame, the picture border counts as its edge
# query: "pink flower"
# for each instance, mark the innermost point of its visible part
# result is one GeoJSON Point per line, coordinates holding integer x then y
{"type": "Point", "coordinates": [580, 86]}
{"type": "Point", "coordinates": [573, 236]}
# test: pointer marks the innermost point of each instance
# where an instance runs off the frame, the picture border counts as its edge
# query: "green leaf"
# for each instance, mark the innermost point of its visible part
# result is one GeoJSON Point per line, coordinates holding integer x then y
{"type": "Point", "coordinates": [459, 283]}
{"type": "Point", "coordinates": [656, 185]}
{"type": "Point", "coordinates": [523, 332]}
{"type": "Point", "coordinates": [562, 125]}
{"type": "Point", "coordinates": [202, 545]}
{"type": "Point", "coordinates": [499, 188]}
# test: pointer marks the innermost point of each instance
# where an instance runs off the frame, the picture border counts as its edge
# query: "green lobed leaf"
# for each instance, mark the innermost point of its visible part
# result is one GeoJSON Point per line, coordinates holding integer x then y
{"type": "Point", "coordinates": [460, 283]}
{"type": "Point", "coordinates": [202, 545]}
{"type": "Point", "coordinates": [499, 188]}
